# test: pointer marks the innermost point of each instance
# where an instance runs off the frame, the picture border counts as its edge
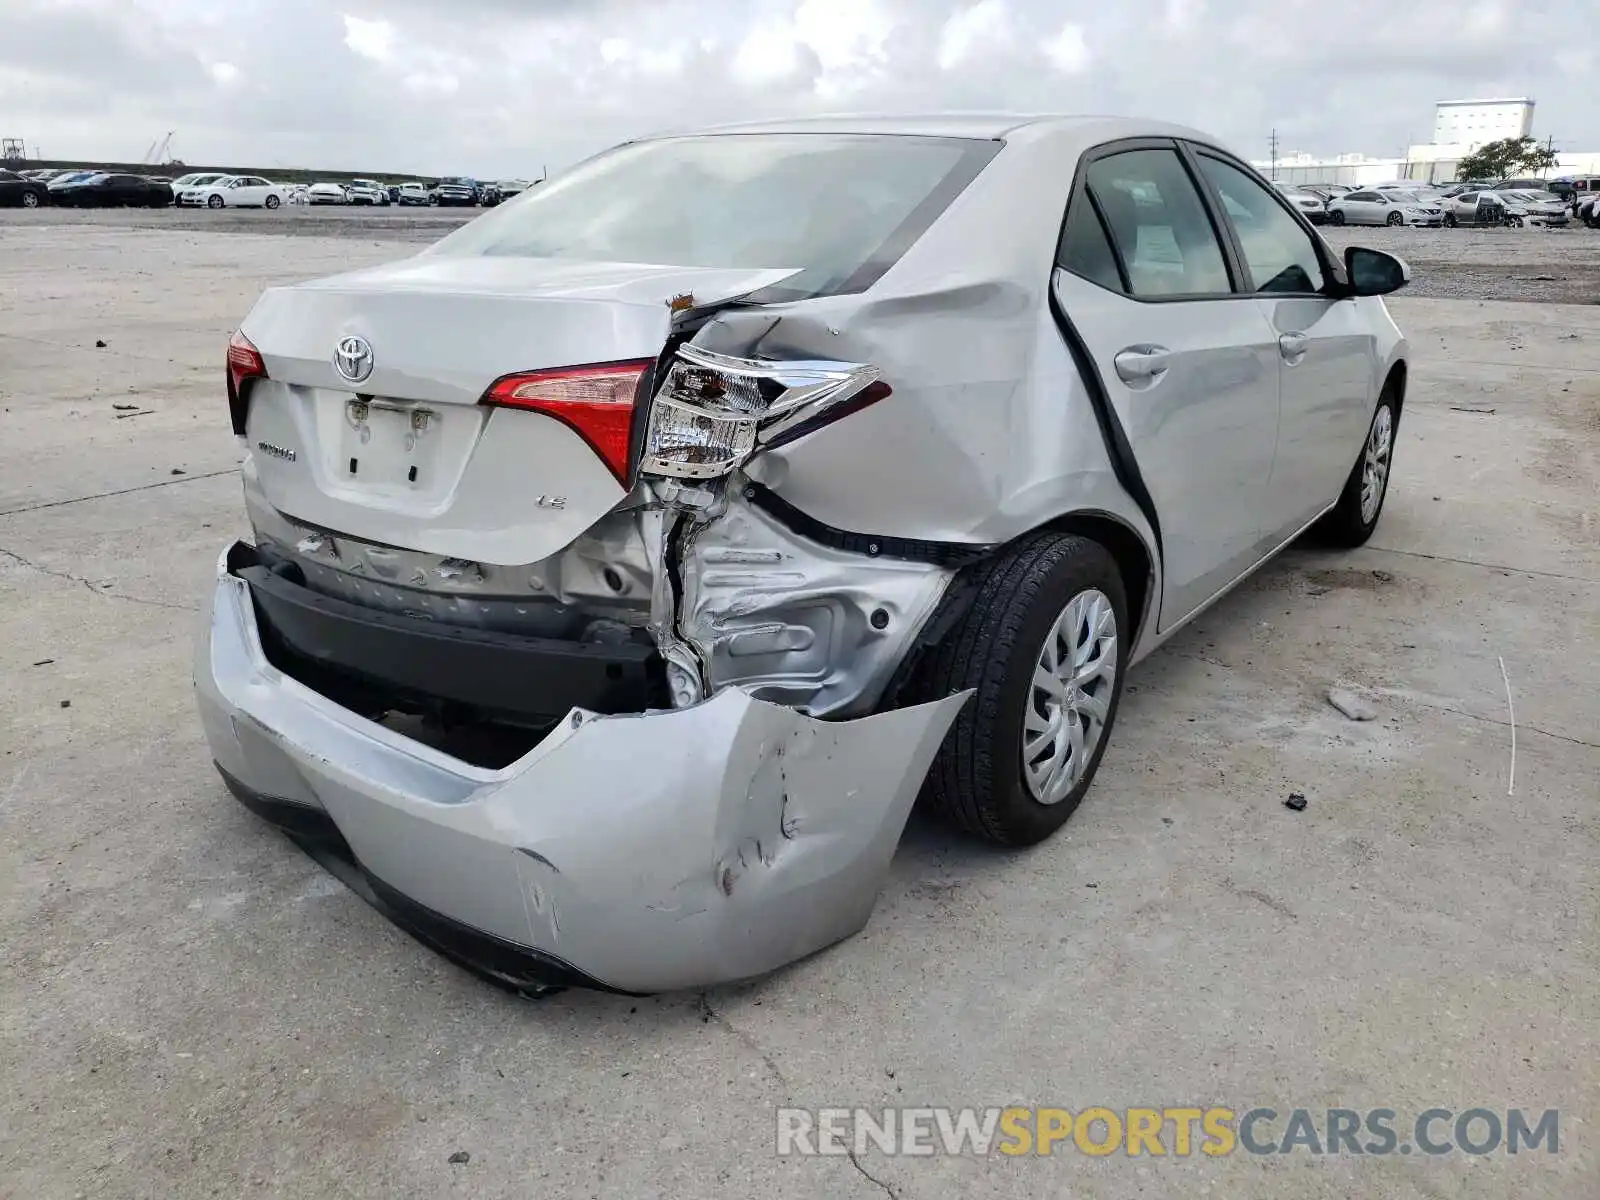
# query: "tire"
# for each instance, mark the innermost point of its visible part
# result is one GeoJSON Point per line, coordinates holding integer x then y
{"type": "Point", "coordinates": [1350, 522]}
{"type": "Point", "coordinates": [214, 202]}
{"type": "Point", "coordinates": [433, 201]}
{"type": "Point", "coordinates": [272, 202]}
{"type": "Point", "coordinates": [30, 199]}
{"type": "Point", "coordinates": [1449, 220]}
{"type": "Point", "coordinates": [1336, 217]}
{"type": "Point", "coordinates": [1395, 219]}
{"type": "Point", "coordinates": [979, 779]}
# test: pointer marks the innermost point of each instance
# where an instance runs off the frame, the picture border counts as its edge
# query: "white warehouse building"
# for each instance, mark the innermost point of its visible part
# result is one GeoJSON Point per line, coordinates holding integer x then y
{"type": "Point", "coordinates": [1471, 123]}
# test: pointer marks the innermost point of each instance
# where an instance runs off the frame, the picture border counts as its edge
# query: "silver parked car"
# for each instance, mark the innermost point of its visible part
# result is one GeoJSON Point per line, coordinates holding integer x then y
{"type": "Point", "coordinates": [626, 563]}
{"type": "Point", "coordinates": [1386, 206]}
{"type": "Point", "coordinates": [1313, 205]}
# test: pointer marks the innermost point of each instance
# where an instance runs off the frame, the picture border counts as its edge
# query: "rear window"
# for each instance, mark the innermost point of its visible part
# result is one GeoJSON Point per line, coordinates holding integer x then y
{"type": "Point", "coordinates": [840, 208]}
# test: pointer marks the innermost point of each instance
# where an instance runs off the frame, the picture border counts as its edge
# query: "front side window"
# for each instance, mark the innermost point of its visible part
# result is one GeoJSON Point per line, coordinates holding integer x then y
{"type": "Point", "coordinates": [1159, 225]}
{"type": "Point", "coordinates": [839, 209]}
{"type": "Point", "coordinates": [1280, 254]}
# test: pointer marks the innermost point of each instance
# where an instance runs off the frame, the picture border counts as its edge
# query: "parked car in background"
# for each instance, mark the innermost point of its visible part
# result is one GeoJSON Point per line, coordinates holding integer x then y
{"type": "Point", "coordinates": [1573, 188]}
{"type": "Point", "coordinates": [63, 179]}
{"type": "Point", "coordinates": [367, 191]}
{"type": "Point", "coordinates": [110, 190]}
{"type": "Point", "coordinates": [326, 193]}
{"type": "Point", "coordinates": [1535, 207]}
{"type": "Point", "coordinates": [1522, 185]}
{"type": "Point", "coordinates": [412, 194]}
{"type": "Point", "coordinates": [489, 194]}
{"type": "Point", "coordinates": [17, 191]}
{"type": "Point", "coordinates": [454, 190]}
{"type": "Point", "coordinates": [511, 188]}
{"type": "Point", "coordinates": [1483, 206]}
{"type": "Point", "coordinates": [233, 191]}
{"type": "Point", "coordinates": [295, 193]}
{"type": "Point", "coordinates": [197, 179]}
{"type": "Point", "coordinates": [1391, 206]}
{"type": "Point", "coordinates": [1315, 207]}
{"type": "Point", "coordinates": [536, 480]}
{"type": "Point", "coordinates": [1587, 210]}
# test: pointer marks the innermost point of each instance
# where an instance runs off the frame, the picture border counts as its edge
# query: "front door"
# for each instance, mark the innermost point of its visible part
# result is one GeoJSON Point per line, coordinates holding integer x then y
{"type": "Point", "coordinates": [1324, 350]}
{"type": "Point", "coordinates": [1190, 367]}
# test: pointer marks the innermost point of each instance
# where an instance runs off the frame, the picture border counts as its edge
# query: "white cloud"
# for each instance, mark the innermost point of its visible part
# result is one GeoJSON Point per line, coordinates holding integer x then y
{"type": "Point", "coordinates": [370, 39]}
{"type": "Point", "coordinates": [1068, 51]}
{"type": "Point", "coordinates": [979, 26]}
{"type": "Point", "coordinates": [225, 73]}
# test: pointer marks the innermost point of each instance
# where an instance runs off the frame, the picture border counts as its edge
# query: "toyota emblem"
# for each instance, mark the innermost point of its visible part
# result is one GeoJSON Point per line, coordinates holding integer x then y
{"type": "Point", "coordinates": [352, 358]}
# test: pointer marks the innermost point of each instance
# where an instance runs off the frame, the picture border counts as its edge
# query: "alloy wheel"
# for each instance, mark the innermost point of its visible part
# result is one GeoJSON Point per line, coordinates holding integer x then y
{"type": "Point", "coordinates": [1070, 696]}
{"type": "Point", "coordinates": [1375, 463]}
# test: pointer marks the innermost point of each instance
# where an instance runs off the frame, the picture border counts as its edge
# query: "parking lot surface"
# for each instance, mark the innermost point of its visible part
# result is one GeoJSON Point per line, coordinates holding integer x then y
{"type": "Point", "coordinates": [189, 1007]}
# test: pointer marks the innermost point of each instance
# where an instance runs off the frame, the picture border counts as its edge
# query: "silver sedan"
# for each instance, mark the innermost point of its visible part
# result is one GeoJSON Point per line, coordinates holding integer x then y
{"type": "Point", "coordinates": [625, 564]}
{"type": "Point", "coordinates": [1386, 206]}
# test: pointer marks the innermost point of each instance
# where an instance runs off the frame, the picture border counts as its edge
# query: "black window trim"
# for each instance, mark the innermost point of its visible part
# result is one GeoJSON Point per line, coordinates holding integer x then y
{"type": "Point", "coordinates": [1080, 194]}
{"type": "Point", "coordinates": [1332, 271]}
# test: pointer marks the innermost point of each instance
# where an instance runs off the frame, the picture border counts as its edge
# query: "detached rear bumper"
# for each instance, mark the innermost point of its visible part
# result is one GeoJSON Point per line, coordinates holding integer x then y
{"type": "Point", "coordinates": [637, 853]}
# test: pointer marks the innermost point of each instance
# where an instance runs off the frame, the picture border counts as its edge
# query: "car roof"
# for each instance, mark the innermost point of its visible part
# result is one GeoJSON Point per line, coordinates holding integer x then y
{"type": "Point", "coordinates": [985, 125]}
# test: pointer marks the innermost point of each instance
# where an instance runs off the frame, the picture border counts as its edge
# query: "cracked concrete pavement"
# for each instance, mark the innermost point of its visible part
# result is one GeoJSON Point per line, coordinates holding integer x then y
{"type": "Point", "coordinates": [190, 1007]}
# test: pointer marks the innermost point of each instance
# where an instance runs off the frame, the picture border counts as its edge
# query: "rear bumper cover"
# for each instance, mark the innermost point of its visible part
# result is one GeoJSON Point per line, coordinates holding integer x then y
{"type": "Point", "coordinates": [639, 853]}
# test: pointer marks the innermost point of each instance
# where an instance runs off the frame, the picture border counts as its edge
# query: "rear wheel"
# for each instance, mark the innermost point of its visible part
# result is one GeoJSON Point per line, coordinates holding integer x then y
{"type": "Point", "coordinates": [1351, 521]}
{"type": "Point", "coordinates": [1044, 647]}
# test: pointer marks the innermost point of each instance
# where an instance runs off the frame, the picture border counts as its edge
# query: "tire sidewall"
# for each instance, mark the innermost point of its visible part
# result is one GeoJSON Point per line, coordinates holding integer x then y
{"type": "Point", "coordinates": [1001, 724]}
{"type": "Point", "coordinates": [272, 202]}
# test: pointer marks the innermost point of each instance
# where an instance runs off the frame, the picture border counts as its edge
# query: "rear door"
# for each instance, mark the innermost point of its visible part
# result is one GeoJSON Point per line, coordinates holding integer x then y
{"type": "Point", "coordinates": [1188, 362]}
{"type": "Point", "coordinates": [1325, 346]}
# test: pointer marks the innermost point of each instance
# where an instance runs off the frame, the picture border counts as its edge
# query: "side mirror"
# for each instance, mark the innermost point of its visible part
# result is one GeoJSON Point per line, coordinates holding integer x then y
{"type": "Point", "coordinates": [1374, 273]}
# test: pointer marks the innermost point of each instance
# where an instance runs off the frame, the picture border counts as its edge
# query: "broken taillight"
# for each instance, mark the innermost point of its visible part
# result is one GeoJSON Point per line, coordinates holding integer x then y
{"type": "Point", "coordinates": [596, 402]}
{"type": "Point", "coordinates": [714, 411]}
{"type": "Point", "coordinates": [244, 364]}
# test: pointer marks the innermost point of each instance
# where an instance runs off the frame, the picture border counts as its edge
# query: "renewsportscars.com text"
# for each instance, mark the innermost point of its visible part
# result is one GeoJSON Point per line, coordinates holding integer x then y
{"type": "Point", "coordinates": [1178, 1132]}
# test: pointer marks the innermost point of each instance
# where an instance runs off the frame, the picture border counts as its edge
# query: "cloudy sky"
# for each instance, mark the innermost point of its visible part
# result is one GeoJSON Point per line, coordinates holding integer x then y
{"type": "Point", "coordinates": [505, 87]}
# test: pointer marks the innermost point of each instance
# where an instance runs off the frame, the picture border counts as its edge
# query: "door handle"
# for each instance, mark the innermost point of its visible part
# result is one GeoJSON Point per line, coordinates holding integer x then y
{"type": "Point", "coordinates": [1293, 345]}
{"type": "Point", "coordinates": [1141, 364]}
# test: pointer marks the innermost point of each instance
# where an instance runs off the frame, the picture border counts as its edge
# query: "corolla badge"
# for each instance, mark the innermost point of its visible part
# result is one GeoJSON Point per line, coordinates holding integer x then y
{"type": "Point", "coordinates": [352, 358]}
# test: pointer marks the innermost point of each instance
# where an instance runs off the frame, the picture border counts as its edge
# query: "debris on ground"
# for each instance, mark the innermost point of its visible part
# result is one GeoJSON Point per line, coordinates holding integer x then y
{"type": "Point", "coordinates": [1384, 576]}
{"type": "Point", "coordinates": [124, 407]}
{"type": "Point", "coordinates": [1351, 705]}
{"type": "Point", "coordinates": [460, 1158]}
{"type": "Point", "coordinates": [1296, 802]}
{"type": "Point", "coordinates": [141, 413]}
{"type": "Point", "coordinates": [44, 662]}
{"type": "Point", "coordinates": [66, 704]}
{"type": "Point", "coordinates": [178, 471]}
{"type": "Point", "coordinates": [1488, 412]}
{"type": "Point", "coordinates": [99, 344]}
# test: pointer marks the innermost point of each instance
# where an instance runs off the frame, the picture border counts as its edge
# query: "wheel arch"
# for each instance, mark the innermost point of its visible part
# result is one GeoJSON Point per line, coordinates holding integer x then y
{"type": "Point", "coordinates": [1136, 561]}
{"type": "Point", "coordinates": [1394, 384]}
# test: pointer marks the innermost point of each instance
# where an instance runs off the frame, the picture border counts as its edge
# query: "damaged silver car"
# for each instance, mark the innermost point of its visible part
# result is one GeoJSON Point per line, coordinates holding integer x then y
{"type": "Point", "coordinates": [626, 564]}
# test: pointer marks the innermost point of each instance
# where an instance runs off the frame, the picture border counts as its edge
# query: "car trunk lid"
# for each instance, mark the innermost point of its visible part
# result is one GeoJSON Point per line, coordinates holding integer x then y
{"type": "Point", "coordinates": [405, 455]}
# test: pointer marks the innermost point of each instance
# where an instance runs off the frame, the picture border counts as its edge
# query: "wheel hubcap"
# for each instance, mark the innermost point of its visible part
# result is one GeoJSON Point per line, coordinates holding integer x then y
{"type": "Point", "coordinates": [1375, 464]}
{"type": "Point", "coordinates": [1070, 696]}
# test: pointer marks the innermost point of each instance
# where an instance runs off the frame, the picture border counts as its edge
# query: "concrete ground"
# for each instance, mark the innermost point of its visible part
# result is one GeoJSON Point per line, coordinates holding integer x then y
{"type": "Point", "coordinates": [189, 1007]}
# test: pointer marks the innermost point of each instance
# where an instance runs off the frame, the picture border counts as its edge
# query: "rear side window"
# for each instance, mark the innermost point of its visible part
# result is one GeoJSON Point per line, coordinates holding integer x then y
{"type": "Point", "coordinates": [1158, 224]}
{"type": "Point", "coordinates": [839, 208]}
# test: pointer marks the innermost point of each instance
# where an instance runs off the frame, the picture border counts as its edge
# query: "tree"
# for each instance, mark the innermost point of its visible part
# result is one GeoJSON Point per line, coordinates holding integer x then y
{"type": "Point", "coordinates": [1507, 157]}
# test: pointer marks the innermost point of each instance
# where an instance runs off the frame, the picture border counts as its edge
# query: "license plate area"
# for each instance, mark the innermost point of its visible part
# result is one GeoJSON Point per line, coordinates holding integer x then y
{"type": "Point", "coordinates": [389, 443]}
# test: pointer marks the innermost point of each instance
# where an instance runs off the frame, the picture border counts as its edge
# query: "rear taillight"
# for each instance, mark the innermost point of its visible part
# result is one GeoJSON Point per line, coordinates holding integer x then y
{"type": "Point", "coordinates": [714, 411]}
{"type": "Point", "coordinates": [596, 402]}
{"type": "Point", "coordinates": [244, 364]}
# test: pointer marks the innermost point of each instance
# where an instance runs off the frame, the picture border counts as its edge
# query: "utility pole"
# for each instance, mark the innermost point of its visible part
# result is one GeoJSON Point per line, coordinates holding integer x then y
{"type": "Point", "coordinates": [1273, 143]}
{"type": "Point", "coordinates": [1549, 146]}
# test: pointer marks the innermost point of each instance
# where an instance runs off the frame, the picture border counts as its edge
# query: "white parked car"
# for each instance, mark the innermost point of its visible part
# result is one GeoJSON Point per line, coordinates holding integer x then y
{"type": "Point", "coordinates": [366, 191]}
{"type": "Point", "coordinates": [602, 474]}
{"type": "Point", "coordinates": [1386, 206]}
{"type": "Point", "coordinates": [233, 191]}
{"type": "Point", "coordinates": [195, 179]}
{"type": "Point", "coordinates": [327, 193]}
{"type": "Point", "coordinates": [414, 193]}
